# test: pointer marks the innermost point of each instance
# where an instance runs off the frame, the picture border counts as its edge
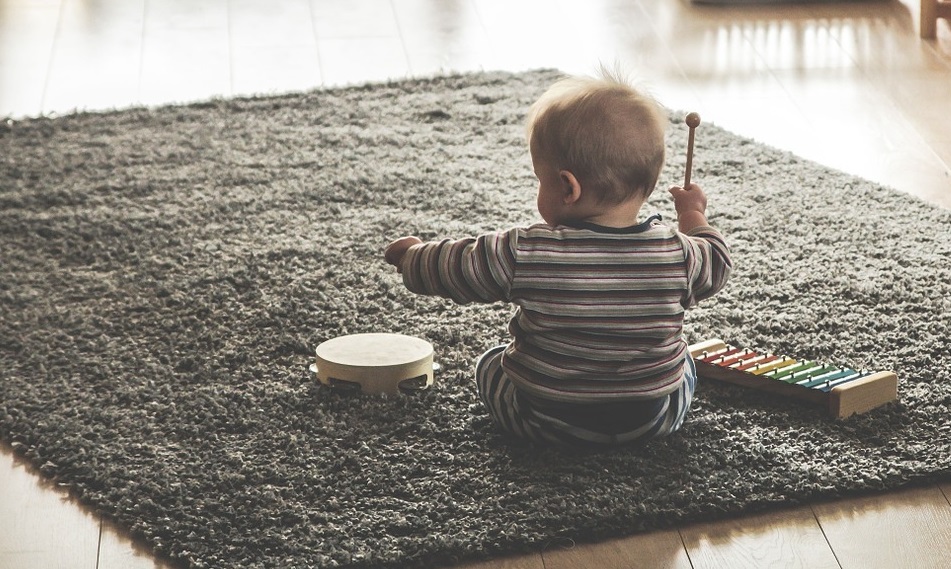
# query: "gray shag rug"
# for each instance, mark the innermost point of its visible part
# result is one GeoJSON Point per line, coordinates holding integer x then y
{"type": "Point", "coordinates": [167, 274]}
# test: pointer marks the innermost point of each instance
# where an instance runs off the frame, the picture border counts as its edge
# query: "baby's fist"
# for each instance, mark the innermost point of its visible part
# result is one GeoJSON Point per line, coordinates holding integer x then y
{"type": "Point", "coordinates": [689, 199]}
{"type": "Point", "coordinates": [396, 250]}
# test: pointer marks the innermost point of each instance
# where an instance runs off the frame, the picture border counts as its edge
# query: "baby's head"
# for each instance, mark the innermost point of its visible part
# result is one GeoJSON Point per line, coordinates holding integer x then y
{"type": "Point", "coordinates": [604, 131]}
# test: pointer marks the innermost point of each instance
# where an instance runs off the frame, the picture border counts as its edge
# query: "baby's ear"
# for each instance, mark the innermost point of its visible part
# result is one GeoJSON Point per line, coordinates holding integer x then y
{"type": "Point", "coordinates": [571, 187]}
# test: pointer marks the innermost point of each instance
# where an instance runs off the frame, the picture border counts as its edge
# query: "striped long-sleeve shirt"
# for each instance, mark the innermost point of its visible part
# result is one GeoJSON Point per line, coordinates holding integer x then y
{"type": "Point", "coordinates": [600, 311]}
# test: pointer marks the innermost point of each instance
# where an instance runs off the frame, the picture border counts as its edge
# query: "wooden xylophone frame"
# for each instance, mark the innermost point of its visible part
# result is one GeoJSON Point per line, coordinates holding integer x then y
{"type": "Point", "coordinates": [856, 396]}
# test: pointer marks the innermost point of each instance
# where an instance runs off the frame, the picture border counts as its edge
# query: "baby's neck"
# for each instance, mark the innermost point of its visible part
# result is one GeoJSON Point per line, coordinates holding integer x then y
{"type": "Point", "coordinates": [623, 214]}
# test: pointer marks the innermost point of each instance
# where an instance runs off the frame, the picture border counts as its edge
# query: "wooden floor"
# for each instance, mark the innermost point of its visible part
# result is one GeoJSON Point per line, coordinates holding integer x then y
{"type": "Point", "coordinates": [847, 84]}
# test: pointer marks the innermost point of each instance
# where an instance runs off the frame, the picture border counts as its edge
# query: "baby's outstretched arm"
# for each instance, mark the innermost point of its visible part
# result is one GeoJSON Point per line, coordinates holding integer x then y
{"type": "Point", "coordinates": [396, 250]}
{"type": "Point", "coordinates": [469, 269]}
{"type": "Point", "coordinates": [691, 205]}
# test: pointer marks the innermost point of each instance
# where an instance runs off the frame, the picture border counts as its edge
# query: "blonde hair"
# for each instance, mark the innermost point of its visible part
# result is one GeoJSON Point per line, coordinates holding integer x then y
{"type": "Point", "coordinates": [607, 133]}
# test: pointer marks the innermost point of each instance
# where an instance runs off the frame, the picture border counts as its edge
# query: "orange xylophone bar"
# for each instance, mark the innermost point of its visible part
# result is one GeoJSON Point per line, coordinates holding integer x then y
{"type": "Point", "coordinates": [843, 391]}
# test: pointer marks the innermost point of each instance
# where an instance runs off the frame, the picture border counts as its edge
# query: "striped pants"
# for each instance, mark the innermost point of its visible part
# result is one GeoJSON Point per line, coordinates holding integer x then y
{"type": "Point", "coordinates": [518, 415]}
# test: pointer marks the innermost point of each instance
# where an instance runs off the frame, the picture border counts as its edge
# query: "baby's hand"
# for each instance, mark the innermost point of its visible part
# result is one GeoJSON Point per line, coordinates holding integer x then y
{"type": "Point", "coordinates": [395, 250]}
{"type": "Point", "coordinates": [690, 199]}
{"type": "Point", "coordinates": [691, 205]}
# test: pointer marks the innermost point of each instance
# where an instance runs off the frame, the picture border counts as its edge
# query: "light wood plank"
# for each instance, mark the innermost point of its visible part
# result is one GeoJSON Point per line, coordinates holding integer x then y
{"type": "Point", "coordinates": [946, 490]}
{"type": "Point", "coordinates": [658, 550]}
{"type": "Point", "coordinates": [789, 538]}
{"type": "Point", "coordinates": [529, 561]}
{"type": "Point", "coordinates": [39, 525]}
{"type": "Point", "coordinates": [118, 551]}
{"type": "Point", "coordinates": [911, 528]}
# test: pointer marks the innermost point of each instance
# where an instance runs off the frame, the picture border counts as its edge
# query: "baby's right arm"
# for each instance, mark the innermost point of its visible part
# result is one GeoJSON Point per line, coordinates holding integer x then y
{"type": "Point", "coordinates": [470, 269]}
{"type": "Point", "coordinates": [691, 205]}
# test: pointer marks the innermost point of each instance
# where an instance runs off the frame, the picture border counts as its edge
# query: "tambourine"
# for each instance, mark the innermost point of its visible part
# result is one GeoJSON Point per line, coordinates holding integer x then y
{"type": "Point", "coordinates": [375, 363]}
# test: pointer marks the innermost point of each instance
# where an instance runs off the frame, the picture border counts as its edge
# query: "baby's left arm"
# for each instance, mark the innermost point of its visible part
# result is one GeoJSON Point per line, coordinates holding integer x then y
{"type": "Point", "coordinates": [708, 263]}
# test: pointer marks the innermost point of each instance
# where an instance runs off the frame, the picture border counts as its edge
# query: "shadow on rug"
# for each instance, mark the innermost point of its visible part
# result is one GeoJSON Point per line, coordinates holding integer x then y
{"type": "Point", "coordinates": [167, 274]}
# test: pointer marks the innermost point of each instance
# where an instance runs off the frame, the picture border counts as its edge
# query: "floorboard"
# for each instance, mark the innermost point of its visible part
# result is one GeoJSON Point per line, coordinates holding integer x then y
{"type": "Point", "coordinates": [785, 538]}
{"type": "Point", "coordinates": [527, 561]}
{"type": "Point", "coordinates": [39, 525]}
{"type": "Point", "coordinates": [910, 528]}
{"type": "Point", "coordinates": [118, 551]}
{"type": "Point", "coordinates": [658, 550]}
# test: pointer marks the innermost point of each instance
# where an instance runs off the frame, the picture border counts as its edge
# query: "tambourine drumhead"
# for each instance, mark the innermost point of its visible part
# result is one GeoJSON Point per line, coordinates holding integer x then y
{"type": "Point", "coordinates": [375, 363]}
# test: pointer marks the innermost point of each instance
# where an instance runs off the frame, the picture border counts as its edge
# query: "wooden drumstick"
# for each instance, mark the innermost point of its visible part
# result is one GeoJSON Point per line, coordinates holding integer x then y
{"type": "Point", "coordinates": [693, 121]}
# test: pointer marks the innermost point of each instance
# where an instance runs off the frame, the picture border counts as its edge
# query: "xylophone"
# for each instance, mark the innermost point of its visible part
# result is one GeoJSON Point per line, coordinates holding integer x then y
{"type": "Point", "coordinates": [842, 390]}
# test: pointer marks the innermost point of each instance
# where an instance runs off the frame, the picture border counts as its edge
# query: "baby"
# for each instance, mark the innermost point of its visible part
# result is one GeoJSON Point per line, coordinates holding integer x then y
{"type": "Point", "coordinates": [598, 356]}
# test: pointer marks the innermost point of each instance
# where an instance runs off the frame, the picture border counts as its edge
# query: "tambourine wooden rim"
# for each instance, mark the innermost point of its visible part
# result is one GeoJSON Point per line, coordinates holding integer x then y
{"type": "Point", "coordinates": [375, 363]}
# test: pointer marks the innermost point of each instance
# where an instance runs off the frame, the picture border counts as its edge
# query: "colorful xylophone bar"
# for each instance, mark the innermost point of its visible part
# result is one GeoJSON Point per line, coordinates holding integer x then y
{"type": "Point", "coordinates": [842, 390]}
